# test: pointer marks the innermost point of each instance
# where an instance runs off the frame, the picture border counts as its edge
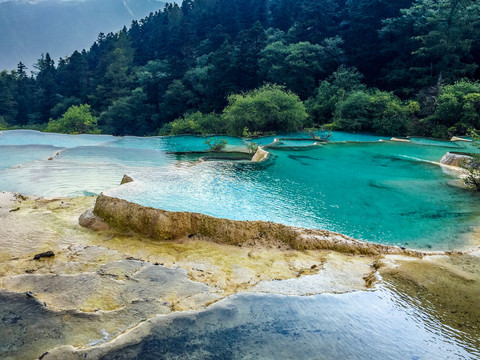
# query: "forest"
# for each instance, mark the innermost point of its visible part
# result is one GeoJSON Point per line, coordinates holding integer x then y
{"type": "Point", "coordinates": [393, 67]}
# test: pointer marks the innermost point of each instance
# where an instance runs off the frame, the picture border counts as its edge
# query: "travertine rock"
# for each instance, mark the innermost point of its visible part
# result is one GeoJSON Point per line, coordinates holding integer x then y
{"type": "Point", "coordinates": [168, 225]}
{"type": "Point", "coordinates": [260, 155]}
{"type": "Point", "coordinates": [453, 159]}
{"type": "Point", "coordinates": [126, 179]}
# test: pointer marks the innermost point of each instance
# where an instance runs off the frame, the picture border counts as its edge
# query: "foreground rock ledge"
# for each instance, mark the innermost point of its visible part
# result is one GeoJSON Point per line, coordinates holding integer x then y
{"type": "Point", "coordinates": [103, 284]}
{"type": "Point", "coordinates": [167, 225]}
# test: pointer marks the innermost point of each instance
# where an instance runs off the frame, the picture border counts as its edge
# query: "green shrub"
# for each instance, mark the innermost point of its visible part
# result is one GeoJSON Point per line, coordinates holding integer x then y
{"type": "Point", "coordinates": [353, 113]}
{"type": "Point", "coordinates": [76, 120]}
{"type": "Point", "coordinates": [3, 124]}
{"type": "Point", "coordinates": [216, 144]}
{"type": "Point", "coordinates": [198, 123]}
{"type": "Point", "coordinates": [457, 110]}
{"type": "Point", "coordinates": [248, 134]}
{"type": "Point", "coordinates": [319, 133]}
{"type": "Point", "coordinates": [472, 165]}
{"type": "Point", "coordinates": [252, 147]}
{"type": "Point", "coordinates": [269, 108]}
{"type": "Point", "coordinates": [378, 111]}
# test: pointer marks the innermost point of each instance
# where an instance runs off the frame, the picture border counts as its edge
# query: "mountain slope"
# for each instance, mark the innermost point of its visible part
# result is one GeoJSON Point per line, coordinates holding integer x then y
{"type": "Point", "coordinates": [30, 28]}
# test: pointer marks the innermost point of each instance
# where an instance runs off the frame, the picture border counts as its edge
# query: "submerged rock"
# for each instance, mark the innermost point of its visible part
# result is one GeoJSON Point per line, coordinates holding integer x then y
{"type": "Point", "coordinates": [46, 254]}
{"type": "Point", "coordinates": [126, 179]}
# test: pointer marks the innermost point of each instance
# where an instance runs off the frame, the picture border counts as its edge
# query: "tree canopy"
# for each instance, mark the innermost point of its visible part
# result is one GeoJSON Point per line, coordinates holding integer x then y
{"type": "Point", "coordinates": [384, 66]}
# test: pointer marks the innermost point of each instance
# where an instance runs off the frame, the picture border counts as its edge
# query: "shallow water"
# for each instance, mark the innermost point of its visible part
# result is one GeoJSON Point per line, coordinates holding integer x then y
{"type": "Point", "coordinates": [381, 324]}
{"type": "Point", "coordinates": [175, 143]}
{"type": "Point", "coordinates": [433, 142]}
{"type": "Point", "coordinates": [32, 137]}
{"type": "Point", "coordinates": [336, 136]}
{"type": "Point", "coordinates": [361, 325]}
{"type": "Point", "coordinates": [14, 155]}
{"type": "Point", "coordinates": [382, 191]}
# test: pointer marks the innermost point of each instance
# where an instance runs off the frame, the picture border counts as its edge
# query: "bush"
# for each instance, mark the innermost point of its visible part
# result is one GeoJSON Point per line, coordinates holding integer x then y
{"type": "Point", "coordinates": [252, 147]}
{"type": "Point", "coordinates": [198, 123]}
{"type": "Point", "coordinates": [269, 108]}
{"type": "Point", "coordinates": [391, 116]}
{"type": "Point", "coordinates": [3, 124]}
{"type": "Point", "coordinates": [377, 111]}
{"type": "Point", "coordinates": [319, 133]}
{"type": "Point", "coordinates": [249, 135]}
{"type": "Point", "coordinates": [76, 120]}
{"type": "Point", "coordinates": [457, 110]}
{"type": "Point", "coordinates": [472, 168]}
{"type": "Point", "coordinates": [216, 144]}
{"type": "Point", "coordinates": [472, 165]}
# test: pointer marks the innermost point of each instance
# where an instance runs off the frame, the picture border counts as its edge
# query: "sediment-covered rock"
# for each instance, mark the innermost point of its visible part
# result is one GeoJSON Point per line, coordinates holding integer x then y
{"type": "Point", "coordinates": [260, 155]}
{"type": "Point", "coordinates": [168, 225]}
{"type": "Point", "coordinates": [126, 179]}
{"type": "Point", "coordinates": [90, 221]}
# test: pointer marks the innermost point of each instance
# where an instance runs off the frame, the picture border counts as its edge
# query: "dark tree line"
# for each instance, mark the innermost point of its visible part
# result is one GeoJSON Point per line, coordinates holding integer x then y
{"type": "Point", "coordinates": [389, 66]}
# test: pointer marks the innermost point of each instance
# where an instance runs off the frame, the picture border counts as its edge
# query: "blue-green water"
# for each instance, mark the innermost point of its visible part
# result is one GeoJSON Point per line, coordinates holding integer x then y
{"type": "Point", "coordinates": [14, 155]}
{"type": "Point", "coordinates": [382, 191]}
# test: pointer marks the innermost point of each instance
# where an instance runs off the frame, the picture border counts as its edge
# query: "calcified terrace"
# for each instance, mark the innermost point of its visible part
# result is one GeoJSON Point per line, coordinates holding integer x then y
{"type": "Point", "coordinates": [99, 293]}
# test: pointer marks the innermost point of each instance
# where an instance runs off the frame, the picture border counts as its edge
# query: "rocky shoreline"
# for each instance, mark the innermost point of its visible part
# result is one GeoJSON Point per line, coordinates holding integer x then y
{"type": "Point", "coordinates": [104, 283]}
{"type": "Point", "coordinates": [100, 284]}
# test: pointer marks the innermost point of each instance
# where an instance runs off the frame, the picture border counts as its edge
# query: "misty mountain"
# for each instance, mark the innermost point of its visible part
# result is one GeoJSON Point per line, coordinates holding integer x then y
{"type": "Point", "coordinates": [30, 28]}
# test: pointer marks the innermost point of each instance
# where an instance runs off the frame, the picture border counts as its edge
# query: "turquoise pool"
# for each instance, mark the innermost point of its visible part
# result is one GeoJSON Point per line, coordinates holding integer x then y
{"type": "Point", "coordinates": [380, 191]}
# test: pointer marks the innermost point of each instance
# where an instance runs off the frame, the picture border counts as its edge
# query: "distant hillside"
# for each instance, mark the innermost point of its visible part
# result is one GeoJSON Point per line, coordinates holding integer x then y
{"type": "Point", "coordinates": [30, 28]}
